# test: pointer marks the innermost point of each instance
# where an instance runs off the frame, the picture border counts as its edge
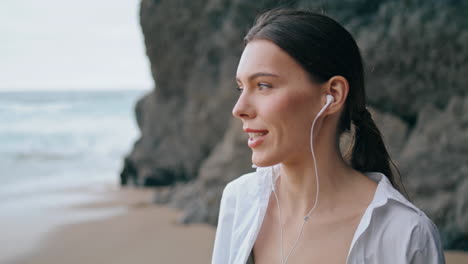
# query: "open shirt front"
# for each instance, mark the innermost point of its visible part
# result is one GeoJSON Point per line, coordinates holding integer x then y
{"type": "Point", "coordinates": [391, 231]}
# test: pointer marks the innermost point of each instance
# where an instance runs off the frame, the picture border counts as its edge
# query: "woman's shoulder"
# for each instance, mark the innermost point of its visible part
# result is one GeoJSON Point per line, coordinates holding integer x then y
{"type": "Point", "coordinates": [247, 191]}
{"type": "Point", "coordinates": [392, 209]}
{"type": "Point", "coordinates": [241, 184]}
{"type": "Point", "coordinates": [397, 219]}
{"type": "Point", "coordinates": [405, 234]}
{"type": "Point", "coordinates": [396, 225]}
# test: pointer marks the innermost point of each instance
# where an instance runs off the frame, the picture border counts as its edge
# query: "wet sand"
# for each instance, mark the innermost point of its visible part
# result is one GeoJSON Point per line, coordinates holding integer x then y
{"type": "Point", "coordinates": [143, 233]}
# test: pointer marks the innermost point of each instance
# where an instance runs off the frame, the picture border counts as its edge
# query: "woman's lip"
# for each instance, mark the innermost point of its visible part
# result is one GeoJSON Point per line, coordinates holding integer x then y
{"type": "Point", "coordinates": [249, 130]}
{"type": "Point", "coordinates": [256, 141]}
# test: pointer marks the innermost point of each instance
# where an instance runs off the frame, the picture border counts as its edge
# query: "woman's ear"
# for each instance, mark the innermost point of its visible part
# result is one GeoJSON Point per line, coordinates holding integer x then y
{"type": "Point", "coordinates": [338, 87]}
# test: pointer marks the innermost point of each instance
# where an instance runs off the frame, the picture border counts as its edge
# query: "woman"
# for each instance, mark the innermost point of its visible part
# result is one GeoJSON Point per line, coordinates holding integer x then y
{"type": "Point", "coordinates": [301, 86]}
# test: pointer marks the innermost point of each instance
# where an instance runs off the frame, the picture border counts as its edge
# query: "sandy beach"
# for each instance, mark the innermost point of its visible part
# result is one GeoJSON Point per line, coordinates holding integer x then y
{"type": "Point", "coordinates": [132, 231]}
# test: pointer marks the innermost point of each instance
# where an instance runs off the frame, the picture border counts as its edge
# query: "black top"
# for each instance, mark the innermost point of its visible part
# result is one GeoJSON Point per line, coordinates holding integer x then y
{"type": "Point", "coordinates": [251, 259]}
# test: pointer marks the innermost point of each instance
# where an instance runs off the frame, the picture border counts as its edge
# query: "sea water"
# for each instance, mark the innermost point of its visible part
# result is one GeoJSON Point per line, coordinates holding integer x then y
{"type": "Point", "coordinates": [54, 139]}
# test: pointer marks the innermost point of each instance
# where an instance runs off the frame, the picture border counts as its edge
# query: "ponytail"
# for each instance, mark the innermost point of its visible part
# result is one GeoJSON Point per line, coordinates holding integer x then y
{"type": "Point", "coordinates": [369, 152]}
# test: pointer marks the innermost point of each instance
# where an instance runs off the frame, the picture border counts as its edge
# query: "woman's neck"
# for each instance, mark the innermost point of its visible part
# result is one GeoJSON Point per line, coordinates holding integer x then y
{"type": "Point", "coordinates": [297, 183]}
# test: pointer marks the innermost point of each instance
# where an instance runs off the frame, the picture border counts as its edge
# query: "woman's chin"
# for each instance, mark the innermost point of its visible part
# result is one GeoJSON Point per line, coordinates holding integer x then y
{"type": "Point", "coordinates": [262, 162]}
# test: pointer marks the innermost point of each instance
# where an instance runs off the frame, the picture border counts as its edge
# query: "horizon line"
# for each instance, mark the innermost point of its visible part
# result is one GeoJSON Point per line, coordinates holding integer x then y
{"type": "Point", "coordinates": [76, 88]}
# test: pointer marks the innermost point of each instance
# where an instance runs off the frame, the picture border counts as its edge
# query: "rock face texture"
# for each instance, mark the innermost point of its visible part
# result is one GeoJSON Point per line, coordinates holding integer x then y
{"type": "Point", "coordinates": [435, 163]}
{"type": "Point", "coordinates": [416, 56]}
{"type": "Point", "coordinates": [193, 47]}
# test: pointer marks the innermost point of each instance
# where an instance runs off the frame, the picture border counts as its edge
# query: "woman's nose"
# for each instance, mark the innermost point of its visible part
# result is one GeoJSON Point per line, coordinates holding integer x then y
{"type": "Point", "coordinates": [243, 108]}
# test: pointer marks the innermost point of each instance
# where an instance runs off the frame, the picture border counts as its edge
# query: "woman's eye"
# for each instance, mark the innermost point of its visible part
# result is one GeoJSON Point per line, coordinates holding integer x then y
{"type": "Point", "coordinates": [261, 86]}
{"type": "Point", "coordinates": [264, 86]}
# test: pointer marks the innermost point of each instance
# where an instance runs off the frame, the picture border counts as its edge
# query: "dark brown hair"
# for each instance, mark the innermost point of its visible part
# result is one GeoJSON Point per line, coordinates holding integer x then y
{"type": "Point", "coordinates": [325, 49]}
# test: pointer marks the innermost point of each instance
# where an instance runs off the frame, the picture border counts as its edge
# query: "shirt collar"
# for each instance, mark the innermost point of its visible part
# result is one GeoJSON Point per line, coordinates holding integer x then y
{"type": "Point", "coordinates": [270, 175]}
{"type": "Point", "coordinates": [384, 190]}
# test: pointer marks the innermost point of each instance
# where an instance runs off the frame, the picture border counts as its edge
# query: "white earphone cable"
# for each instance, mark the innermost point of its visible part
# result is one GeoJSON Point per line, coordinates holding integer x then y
{"type": "Point", "coordinates": [306, 217]}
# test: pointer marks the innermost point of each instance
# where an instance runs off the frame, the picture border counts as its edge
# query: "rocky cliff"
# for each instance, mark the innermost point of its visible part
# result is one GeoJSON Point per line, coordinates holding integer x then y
{"type": "Point", "coordinates": [416, 55]}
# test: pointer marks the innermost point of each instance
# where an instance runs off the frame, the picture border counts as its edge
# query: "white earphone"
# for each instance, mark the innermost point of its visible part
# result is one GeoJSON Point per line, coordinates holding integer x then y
{"type": "Point", "coordinates": [330, 99]}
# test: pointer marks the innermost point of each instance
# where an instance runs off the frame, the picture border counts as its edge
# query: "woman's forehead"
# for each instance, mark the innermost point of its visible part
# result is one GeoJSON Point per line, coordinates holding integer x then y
{"type": "Point", "coordinates": [265, 56]}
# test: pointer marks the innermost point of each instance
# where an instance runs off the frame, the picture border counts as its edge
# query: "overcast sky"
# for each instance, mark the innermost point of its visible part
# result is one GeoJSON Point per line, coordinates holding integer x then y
{"type": "Point", "coordinates": [66, 44]}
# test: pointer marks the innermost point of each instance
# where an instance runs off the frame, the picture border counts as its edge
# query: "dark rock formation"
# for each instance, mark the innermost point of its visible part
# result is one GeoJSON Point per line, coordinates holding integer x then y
{"type": "Point", "coordinates": [416, 52]}
{"type": "Point", "coordinates": [129, 172]}
{"type": "Point", "coordinates": [416, 56]}
{"type": "Point", "coordinates": [435, 164]}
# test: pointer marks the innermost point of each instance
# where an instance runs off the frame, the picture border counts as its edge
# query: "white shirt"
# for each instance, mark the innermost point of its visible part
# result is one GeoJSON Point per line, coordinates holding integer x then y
{"type": "Point", "coordinates": [392, 230]}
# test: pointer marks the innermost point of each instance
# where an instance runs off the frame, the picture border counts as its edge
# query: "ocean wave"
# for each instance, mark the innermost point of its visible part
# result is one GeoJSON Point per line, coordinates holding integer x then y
{"type": "Point", "coordinates": [69, 135]}
{"type": "Point", "coordinates": [71, 125]}
{"type": "Point", "coordinates": [34, 108]}
{"type": "Point", "coordinates": [46, 156]}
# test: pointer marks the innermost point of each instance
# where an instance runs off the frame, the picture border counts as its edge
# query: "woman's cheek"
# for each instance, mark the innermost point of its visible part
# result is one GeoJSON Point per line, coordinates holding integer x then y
{"type": "Point", "coordinates": [288, 106]}
{"type": "Point", "coordinates": [296, 112]}
{"type": "Point", "coordinates": [281, 104]}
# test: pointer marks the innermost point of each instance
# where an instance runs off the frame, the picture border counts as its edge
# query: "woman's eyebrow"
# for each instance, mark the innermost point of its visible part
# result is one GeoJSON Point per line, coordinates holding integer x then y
{"type": "Point", "coordinates": [259, 74]}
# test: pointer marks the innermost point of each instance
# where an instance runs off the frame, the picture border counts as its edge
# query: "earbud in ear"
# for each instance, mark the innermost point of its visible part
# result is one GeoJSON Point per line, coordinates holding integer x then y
{"type": "Point", "coordinates": [330, 99]}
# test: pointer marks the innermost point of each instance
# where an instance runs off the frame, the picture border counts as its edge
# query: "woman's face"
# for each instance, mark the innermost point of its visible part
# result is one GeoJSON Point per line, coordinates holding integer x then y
{"type": "Point", "coordinates": [279, 101]}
